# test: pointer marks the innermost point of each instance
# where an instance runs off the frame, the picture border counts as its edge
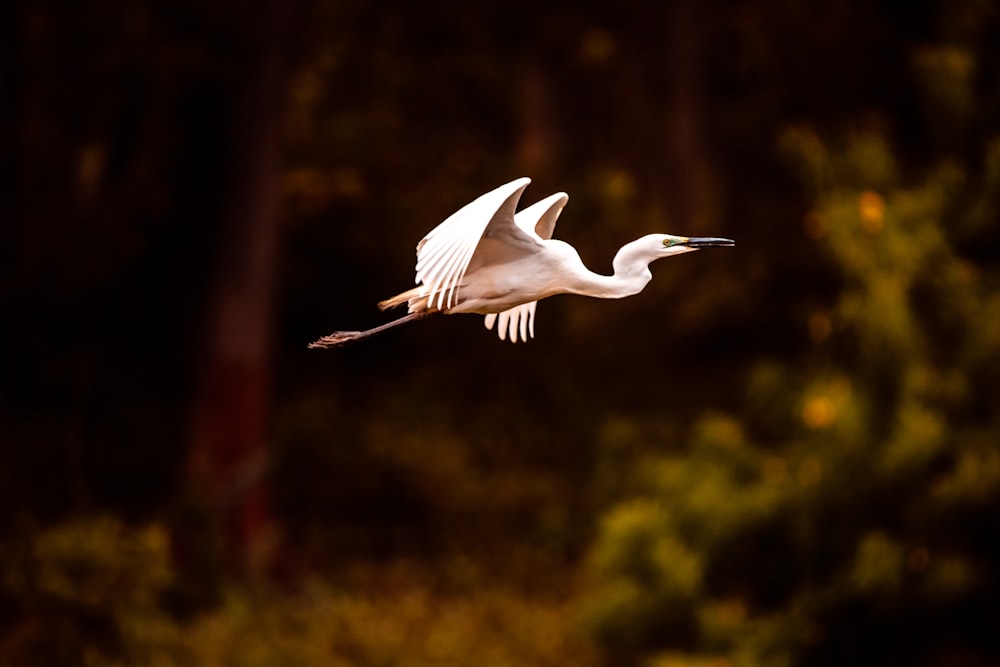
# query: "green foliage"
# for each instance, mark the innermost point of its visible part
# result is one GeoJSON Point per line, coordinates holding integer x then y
{"type": "Point", "coordinates": [91, 592]}
{"type": "Point", "coordinates": [851, 501]}
{"type": "Point", "coordinates": [848, 492]}
{"type": "Point", "coordinates": [87, 591]}
{"type": "Point", "coordinates": [411, 626]}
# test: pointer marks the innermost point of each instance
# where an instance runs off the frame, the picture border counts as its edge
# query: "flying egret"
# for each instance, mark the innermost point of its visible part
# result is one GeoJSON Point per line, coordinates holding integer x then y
{"type": "Point", "coordinates": [487, 259]}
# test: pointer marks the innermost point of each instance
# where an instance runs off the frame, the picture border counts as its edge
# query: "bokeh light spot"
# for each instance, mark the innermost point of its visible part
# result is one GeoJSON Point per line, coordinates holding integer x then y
{"type": "Point", "coordinates": [819, 412]}
{"type": "Point", "coordinates": [871, 208]}
{"type": "Point", "coordinates": [597, 46]}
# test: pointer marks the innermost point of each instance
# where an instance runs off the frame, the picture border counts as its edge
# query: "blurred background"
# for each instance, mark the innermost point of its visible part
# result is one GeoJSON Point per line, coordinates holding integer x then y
{"type": "Point", "coordinates": [780, 454]}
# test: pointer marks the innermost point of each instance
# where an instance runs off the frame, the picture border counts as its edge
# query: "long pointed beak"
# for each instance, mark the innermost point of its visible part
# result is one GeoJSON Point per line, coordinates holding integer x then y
{"type": "Point", "coordinates": [708, 242]}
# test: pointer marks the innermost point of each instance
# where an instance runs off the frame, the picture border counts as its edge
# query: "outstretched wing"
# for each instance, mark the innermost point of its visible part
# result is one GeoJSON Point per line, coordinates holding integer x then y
{"type": "Point", "coordinates": [519, 319]}
{"type": "Point", "coordinates": [443, 255]}
{"type": "Point", "coordinates": [540, 218]}
{"type": "Point", "coordinates": [539, 221]}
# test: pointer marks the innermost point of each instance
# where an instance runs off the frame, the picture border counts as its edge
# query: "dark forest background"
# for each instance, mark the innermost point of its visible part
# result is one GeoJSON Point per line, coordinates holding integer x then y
{"type": "Point", "coordinates": [785, 453]}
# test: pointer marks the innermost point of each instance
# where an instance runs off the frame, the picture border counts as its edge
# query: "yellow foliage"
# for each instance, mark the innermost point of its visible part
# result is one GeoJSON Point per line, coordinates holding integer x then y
{"type": "Point", "coordinates": [878, 565]}
{"type": "Point", "coordinates": [411, 625]}
{"type": "Point", "coordinates": [100, 563]}
{"type": "Point", "coordinates": [919, 436]}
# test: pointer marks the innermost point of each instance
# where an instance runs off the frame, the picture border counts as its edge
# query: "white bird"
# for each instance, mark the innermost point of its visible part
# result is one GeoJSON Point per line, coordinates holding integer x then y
{"type": "Point", "coordinates": [487, 259]}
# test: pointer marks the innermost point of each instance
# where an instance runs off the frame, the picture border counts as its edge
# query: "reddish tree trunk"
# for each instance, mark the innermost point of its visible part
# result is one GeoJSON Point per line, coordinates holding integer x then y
{"type": "Point", "coordinates": [227, 462]}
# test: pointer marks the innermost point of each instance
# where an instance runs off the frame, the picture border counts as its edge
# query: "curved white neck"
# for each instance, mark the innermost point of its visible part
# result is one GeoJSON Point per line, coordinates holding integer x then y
{"type": "Point", "coordinates": [632, 274]}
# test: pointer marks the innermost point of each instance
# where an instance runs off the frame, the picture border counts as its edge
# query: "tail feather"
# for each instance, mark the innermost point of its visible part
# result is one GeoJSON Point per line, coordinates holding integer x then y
{"type": "Point", "coordinates": [415, 298]}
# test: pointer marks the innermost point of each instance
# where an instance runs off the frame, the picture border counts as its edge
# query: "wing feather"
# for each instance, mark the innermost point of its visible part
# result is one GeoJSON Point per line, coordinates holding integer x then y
{"type": "Point", "coordinates": [538, 221]}
{"type": "Point", "coordinates": [443, 255]}
{"type": "Point", "coordinates": [504, 322]}
{"type": "Point", "coordinates": [519, 320]}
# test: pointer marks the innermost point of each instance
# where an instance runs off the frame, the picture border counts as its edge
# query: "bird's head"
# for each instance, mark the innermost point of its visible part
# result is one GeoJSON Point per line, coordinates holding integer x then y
{"type": "Point", "coordinates": [634, 258]}
{"type": "Point", "coordinates": [667, 245]}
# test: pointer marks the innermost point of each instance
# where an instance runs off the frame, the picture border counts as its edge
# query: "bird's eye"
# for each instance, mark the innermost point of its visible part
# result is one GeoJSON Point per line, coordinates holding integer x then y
{"type": "Point", "coordinates": [667, 243]}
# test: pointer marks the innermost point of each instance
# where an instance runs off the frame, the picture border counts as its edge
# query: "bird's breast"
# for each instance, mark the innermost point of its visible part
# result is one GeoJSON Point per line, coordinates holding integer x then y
{"type": "Point", "coordinates": [494, 289]}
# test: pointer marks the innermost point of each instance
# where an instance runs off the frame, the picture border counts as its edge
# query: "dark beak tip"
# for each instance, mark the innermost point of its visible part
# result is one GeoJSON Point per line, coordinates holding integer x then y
{"type": "Point", "coordinates": [710, 242]}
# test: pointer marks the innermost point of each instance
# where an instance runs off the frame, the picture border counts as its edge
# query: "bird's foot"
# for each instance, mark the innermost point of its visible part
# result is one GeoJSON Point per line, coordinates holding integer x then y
{"type": "Point", "coordinates": [334, 339]}
{"type": "Point", "coordinates": [341, 337]}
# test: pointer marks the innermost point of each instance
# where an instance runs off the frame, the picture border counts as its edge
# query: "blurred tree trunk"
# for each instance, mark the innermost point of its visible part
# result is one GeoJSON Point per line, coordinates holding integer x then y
{"type": "Point", "coordinates": [686, 158]}
{"type": "Point", "coordinates": [535, 146]}
{"type": "Point", "coordinates": [228, 462]}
